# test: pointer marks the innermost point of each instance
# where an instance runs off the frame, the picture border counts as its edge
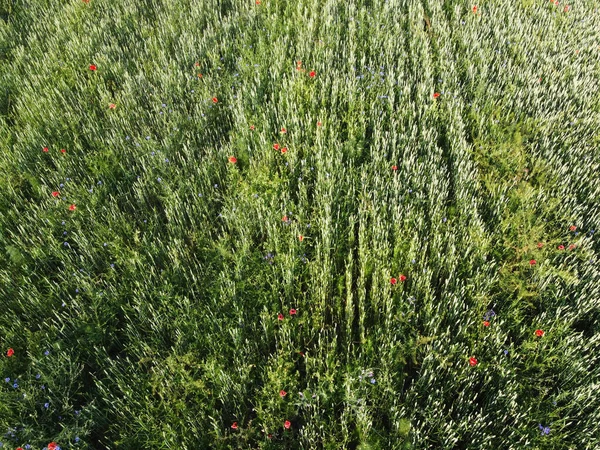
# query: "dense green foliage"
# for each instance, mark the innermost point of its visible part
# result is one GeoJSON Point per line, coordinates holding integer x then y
{"type": "Point", "coordinates": [147, 317]}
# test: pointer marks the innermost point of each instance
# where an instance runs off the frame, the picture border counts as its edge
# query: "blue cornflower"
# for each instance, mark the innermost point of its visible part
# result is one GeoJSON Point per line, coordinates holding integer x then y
{"type": "Point", "coordinates": [15, 385]}
{"type": "Point", "coordinates": [7, 380]}
{"type": "Point", "coordinates": [77, 439]}
{"type": "Point", "coordinates": [489, 314]}
{"type": "Point", "coordinates": [506, 352]}
{"type": "Point", "coordinates": [27, 446]}
{"type": "Point", "coordinates": [47, 352]}
{"type": "Point", "coordinates": [545, 430]}
{"type": "Point", "coordinates": [37, 377]}
{"type": "Point", "coordinates": [46, 405]}
{"type": "Point", "coordinates": [159, 179]}
{"type": "Point", "coordinates": [372, 380]}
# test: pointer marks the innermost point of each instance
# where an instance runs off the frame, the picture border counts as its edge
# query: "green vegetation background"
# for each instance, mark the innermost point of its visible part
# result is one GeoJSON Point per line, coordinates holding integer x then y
{"type": "Point", "coordinates": [150, 312]}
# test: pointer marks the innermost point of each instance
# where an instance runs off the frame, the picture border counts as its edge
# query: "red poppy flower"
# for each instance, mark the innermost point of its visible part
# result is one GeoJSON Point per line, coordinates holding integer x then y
{"type": "Point", "coordinates": [292, 312]}
{"type": "Point", "coordinates": [232, 159]}
{"type": "Point", "coordinates": [394, 168]}
{"type": "Point", "coordinates": [19, 448]}
{"type": "Point", "coordinates": [319, 124]}
{"type": "Point", "coordinates": [287, 424]}
{"type": "Point", "coordinates": [252, 127]}
{"type": "Point", "coordinates": [258, 2]}
{"type": "Point", "coordinates": [532, 262]}
{"type": "Point", "coordinates": [282, 393]}
{"type": "Point", "coordinates": [393, 281]}
{"type": "Point", "coordinates": [112, 106]}
{"type": "Point", "coordinates": [474, 9]}
{"type": "Point", "coordinates": [92, 67]}
{"type": "Point", "coordinates": [276, 146]}
{"type": "Point", "coordinates": [234, 425]}
{"type": "Point", "coordinates": [402, 278]}
{"type": "Point", "coordinates": [62, 150]}
{"type": "Point", "coordinates": [215, 100]}
{"type": "Point", "coordinates": [566, 8]}
{"type": "Point", "coordinates": [572, 228]}
{"type": "Point", "coordinates": [472, 361]}
{"type": "Point", "coordinates": [52, 446]}
{"type": "Point", "coordinates": [436, 95]}
{"type": "Point", "coordinates": [10, 352]}
{"type": "Point", "coordinates": [298, 64]}
{"type": "Point", "coordinates": [301, 353]}
{"type": "Point", "coordinates": [571, 247]}
{"type": "Point", "coordinates": [283, 130]}
{"type": "Point", "coordinates": [539, 333]}
{"type": "Point", "coordinates": [561, 247]}
{"type": "Point", "coordinates": [486, 323]}
{"type": "Point", "coordinates": [540, 245]}
{"type": "Point", "coordinates": [86, 1]}
{"type": "Point", "coordinates": [300, 238]}
{"type": "Point", "coordinates": [284, 218]}
{"type": "Point", "coordinates": [45, 149]}
{"type": "Point", "coordinates": [55, 194]}
{"type": "Point", "coordinates": [312, 74]}
{"type": "Point", "coordinates": [279, 316]}
{"type": "Point", "coordinates": [197, 64]}
{"type": "Point", "coordinates": [284, 150]}
{"type": "Point", "coordinates": [199, 75]}
{"type": "Point", "coordinates": [72, 208]}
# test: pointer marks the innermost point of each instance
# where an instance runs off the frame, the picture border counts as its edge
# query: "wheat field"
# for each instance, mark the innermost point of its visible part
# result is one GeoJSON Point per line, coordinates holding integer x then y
{"type": "Point", "coordinates": [307, 224]}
